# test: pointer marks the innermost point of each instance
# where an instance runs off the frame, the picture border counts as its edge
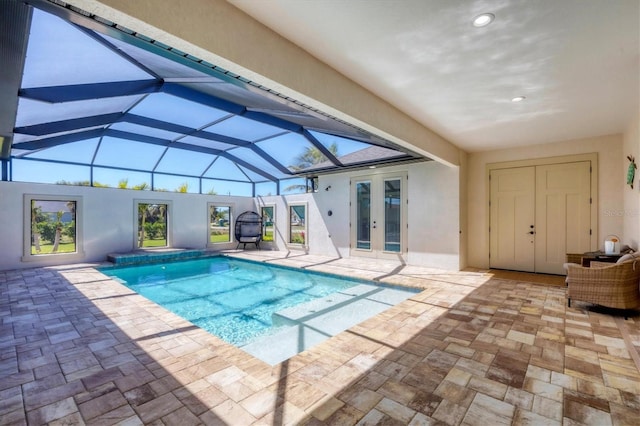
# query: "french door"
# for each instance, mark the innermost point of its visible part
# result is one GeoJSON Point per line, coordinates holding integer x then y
{"type": "Point", "coordinates": [378, 215]}
{"type": "Point", "coordinates": [538, 214]}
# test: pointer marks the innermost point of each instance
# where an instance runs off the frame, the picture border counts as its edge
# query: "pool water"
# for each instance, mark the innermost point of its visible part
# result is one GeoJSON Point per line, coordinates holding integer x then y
{"type": "Point", "coordinates": [230, 298]}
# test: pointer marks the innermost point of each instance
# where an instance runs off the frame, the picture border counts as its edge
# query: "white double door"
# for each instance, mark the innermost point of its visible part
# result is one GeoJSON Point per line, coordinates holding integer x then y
{"type": "Point", "coordinates": [378, 215]}
{"type": "Point", "coordinates": [538, 214]}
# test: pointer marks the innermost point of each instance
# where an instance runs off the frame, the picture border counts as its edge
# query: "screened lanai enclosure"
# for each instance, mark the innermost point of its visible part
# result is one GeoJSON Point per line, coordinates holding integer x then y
{"type": "Point", "coordinates": [98, 104]}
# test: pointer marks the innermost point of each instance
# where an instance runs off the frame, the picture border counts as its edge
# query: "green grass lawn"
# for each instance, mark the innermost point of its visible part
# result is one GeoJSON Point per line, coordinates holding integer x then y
{"type": "Point", "coordinates": [154, 243]}
{"type": "Point", "coordinates": [219, 238]}
{"type": "Point", "coordinates": [48, 248]}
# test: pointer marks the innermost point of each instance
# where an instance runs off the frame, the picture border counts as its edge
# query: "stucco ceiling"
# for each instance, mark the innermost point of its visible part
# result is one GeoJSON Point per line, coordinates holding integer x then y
{"type": "Point", "coordinates": [575, 61]}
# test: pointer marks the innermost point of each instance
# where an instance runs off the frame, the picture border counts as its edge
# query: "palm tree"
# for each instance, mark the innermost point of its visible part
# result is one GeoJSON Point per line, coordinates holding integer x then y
{"type": "Point", "coordinates": [36, 215]}
{"type": "Point", "coordinates": [310, 157]}
{"type": "Point", "coordinates": [150, 213]}
{"type": "Point", "coordinates": [56, 240]}
{"type": "Point", "coordinates": [70, 229]}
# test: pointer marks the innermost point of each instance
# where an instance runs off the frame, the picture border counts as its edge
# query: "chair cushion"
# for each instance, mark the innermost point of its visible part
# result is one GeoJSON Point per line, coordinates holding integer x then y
{"type": "Point", "coordinates": [629, 256]}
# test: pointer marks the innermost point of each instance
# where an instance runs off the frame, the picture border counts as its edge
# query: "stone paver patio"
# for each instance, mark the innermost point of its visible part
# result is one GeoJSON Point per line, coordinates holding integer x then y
{"type": "Point", "coordinates": [472, 349]}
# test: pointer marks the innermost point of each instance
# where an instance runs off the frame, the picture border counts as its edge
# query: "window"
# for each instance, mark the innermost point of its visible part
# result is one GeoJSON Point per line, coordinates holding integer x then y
{"type": "Point", "coordinates": [312, 184]}
{"type": "Point", "coordinates": [51, 226]}
{"type": "Point", "coordinates": [219, 223]}
{"type": "Point", "coordinates": [153, 224]}
{"type": "Point", "coordinates": [298, 224]}
{"type": "Point", "coordinates": [268, 223]}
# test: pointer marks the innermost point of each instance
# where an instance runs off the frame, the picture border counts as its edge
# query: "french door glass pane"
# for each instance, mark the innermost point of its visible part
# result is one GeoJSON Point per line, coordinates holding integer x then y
{"type": "Point", "coordinates": [392, 208]}
{"type": "Point", "coordinates": [363, 212]}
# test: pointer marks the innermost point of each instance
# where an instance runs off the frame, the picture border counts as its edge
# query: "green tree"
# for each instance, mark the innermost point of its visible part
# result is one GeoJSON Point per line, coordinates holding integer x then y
{"type": "Point", "coordinates": [141, 186]}
{"type": "Point", "coordinates": [69, 230]}
{"type": "Point", "coordinates": [310, 157]}
{"type": "Point", "coordinates": [58, 232]}
{"type": "Point", "coordinates": [148, 215]}
{"type": "Point", "coordinates": [47, 231]}
{"type": "Point", "coordinates": [82, 183]}
{"type": "Point", "coordinates": [37, 217]}
{"type": "Point", "coordinates": [183, 188]}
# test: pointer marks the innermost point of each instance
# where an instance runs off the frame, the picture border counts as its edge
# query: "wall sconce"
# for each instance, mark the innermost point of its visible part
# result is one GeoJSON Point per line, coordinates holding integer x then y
{"type": "Point", "coordinates": [327, 188]}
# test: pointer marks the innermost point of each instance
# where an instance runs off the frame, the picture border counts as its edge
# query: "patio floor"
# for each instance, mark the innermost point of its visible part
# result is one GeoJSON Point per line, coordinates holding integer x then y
{"type": "Point", "coordinates": [472, 348]}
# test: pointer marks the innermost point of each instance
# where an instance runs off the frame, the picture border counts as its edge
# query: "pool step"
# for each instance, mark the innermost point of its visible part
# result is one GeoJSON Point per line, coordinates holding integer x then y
{"type": "Point", "coordinates": [155, 256]}
{"type": "Point", "coordinates": [308, 324]}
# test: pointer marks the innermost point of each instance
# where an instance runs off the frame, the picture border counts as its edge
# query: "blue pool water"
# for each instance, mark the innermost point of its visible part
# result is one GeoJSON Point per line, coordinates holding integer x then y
{"type": "Point", "coordinates": [230, 298]}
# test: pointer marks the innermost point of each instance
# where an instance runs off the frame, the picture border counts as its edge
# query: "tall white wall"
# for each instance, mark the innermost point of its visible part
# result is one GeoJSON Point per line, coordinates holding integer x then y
{"type": "Point", "coordinates": [610, 188]}
{"type": "Point", "coordinates": [109, 225]}
{"type": "Point", "coordinates": [433, 214]}
{"type": "Point", "coordinates": [107, 220]}
{"type": "Point", "coordinates": [631, 208]}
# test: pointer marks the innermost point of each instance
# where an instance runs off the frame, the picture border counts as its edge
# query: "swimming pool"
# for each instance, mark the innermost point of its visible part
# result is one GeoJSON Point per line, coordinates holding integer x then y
{"type": "Point", "coordinates": [242, 301]}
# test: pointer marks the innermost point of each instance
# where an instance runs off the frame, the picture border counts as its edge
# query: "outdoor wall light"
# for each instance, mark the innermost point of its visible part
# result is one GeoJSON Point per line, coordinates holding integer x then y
{"type": "Point", "coordinates": [327, 188]}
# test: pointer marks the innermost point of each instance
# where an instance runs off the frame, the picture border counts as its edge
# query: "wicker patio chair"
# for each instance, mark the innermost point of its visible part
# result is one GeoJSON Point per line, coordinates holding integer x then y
{"type": "Point", "coordinates": [248, 229]}
{"type": "Point", "coordinates": [614, 285]}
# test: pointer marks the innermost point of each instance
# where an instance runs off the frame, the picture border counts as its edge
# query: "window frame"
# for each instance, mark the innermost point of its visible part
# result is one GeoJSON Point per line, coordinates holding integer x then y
{"type": "Point", "coordinates": [231, 207]}
{"type": "Point", "coordinates": [78, 254]}
{"type": "Point", "coordinates": [306, 225]}
{"type": "Point", "coordinates": [169, 230]}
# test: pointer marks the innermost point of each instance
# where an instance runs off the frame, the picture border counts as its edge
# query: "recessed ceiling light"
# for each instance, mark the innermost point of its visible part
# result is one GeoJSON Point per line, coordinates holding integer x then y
{"type": "Point", "coordinates": [518, 99]}
{"type": "Point", "coordinates": [483, 20]}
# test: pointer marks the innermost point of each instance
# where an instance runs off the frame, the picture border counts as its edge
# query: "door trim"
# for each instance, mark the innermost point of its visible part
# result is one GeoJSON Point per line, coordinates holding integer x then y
{"type": "Point", "coordinates": [592, 157]}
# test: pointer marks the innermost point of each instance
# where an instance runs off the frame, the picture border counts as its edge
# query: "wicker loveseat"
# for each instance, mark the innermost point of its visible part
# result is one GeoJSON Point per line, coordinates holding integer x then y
{"type": "Point", "coordinates": [614, 285]}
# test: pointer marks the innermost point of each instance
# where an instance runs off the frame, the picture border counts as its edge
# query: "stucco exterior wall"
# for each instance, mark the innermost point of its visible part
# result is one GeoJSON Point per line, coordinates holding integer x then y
{"type": "Point", "coordinates": [433, 215]}
{"type": "Point", "coordinates": [109, 226]}
{"type": "Point", "coordinates": [107, 219]}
